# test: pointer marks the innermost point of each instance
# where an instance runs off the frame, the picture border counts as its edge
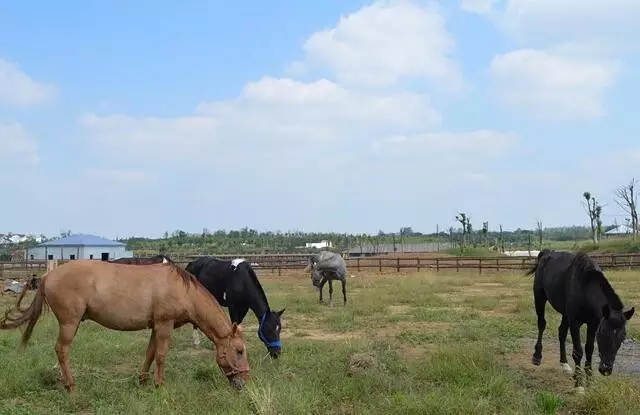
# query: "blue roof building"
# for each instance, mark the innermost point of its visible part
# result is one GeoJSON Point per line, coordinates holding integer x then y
{"type": "Point", "coordinates": [79, 246]}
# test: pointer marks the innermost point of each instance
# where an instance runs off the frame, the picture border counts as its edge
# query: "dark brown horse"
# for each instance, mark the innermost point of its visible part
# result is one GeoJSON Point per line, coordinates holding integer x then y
{"type": "Point", "coordinates": [129, 298]}
{"type": "Point", "coordinates": [576, 287]}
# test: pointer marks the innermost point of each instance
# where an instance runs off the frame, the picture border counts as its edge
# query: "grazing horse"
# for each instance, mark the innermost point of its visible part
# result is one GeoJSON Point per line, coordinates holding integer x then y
{"type": "Point", "coordinates": [328, 266]}
{"type": "Point", "coordinates": [576, 287]}
{"type": "Point", "coordinates": [235, 285]}
{"type": "Point", "coordinates": [157, 259]}
{"type": "Point", "coordinates": [130, 298]}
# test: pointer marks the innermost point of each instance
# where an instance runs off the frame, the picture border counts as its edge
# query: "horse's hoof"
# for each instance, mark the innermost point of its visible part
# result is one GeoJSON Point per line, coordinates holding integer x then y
{"type": "Point", "coordinates": [536, 360]}
{"type": "Point", "coordinates": [566, 368]}
{"type": "Point", "coordinates": [579, 390]}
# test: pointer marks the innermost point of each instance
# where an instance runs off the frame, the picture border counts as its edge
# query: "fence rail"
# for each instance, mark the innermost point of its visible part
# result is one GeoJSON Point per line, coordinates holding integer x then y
{"type": "Point", "coordinates": [282, 262]}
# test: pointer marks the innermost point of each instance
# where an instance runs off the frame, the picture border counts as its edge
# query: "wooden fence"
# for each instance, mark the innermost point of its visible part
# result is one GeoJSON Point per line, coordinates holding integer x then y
{"type": "Point", "coordinates": [284, 262]}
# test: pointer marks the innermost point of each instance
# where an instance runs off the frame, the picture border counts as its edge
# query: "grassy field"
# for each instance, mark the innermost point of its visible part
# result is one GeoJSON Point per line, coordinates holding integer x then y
{"type": "Point", "coordinates": [406, 343]}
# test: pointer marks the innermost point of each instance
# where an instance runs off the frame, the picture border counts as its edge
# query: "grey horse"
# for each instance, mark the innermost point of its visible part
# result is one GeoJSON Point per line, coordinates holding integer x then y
{"type": "Point", "coordinates": [328, 266]}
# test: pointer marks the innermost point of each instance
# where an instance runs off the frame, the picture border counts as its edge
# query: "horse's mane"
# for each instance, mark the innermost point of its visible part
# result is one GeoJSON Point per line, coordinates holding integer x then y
{"type": "Point", "coordinates": [187, 278]}
{"type": "Point", "coordinates": [254, 277]}
{"type": "Point", "coordinates": [587, 270]}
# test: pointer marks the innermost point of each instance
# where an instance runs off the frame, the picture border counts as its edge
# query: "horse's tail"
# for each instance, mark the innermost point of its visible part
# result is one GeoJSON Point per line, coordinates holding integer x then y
{"type": "Point", "coordinates": [30, 315]}
{"type": "Point", "coordinates": [535, 266]}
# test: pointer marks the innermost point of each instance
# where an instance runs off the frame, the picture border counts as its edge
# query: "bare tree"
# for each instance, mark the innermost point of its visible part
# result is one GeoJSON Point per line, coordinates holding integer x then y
{"type": "Point", "coordinates": [627, 199]}
{"type": "Point", "coordinates": [594, 210]}
{"type": "Point", "coordinates": [539, 227]}
{"type": "Point", "coordinates": [485, 232]}
{"type": "Point", "coordinates": [464, 220]}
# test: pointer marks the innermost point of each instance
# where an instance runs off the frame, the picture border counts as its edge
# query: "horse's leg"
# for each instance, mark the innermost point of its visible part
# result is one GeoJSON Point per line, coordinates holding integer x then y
{"type": "Point", "coordinates": [162, 341]}
{"type": "Point", "coordinates": [330, 292]}
{"type": "Point", "coordinates": [66, 333]}
{"type": "Point", "coordinates": [344, 289]}
{"type": "Point", "coordinates": [563, 329]}
{"type": "Point", "coordinates": [588, 349]}
{"type": "Point", "coordinates": [151, 351]}
{"type": "Point", "coordinates": [322, 283]}
{"type": "Point", "coordinates": [196, 336]}
{"type": "Point", "coordinates": [577, 354]}
{"type": "Point", "coordinates": [540, 300]}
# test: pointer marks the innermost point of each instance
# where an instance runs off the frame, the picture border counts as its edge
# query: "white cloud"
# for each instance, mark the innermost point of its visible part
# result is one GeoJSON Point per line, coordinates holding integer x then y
{"type": "Point", "coordinates": [287, 129]}
{"type": "Point", "coordinates": [16, 146]}
{"type": "Point", "coordinates": [383, 42]}
{"type": "Point", "coordinates": [19, 89]}
{"type": "Point", "coordinates": [553, 20]}
{"type": "Point", "coordinates": [485, 143]}
{"type": "Point", "coordinates": [552, 86]}
{"type": "Point", "coordinates": [149, 138]}
{"type": "Point", "coordinates": [285, 109]}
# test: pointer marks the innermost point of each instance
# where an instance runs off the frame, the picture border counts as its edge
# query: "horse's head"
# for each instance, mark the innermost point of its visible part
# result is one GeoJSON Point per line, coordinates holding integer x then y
{"type": "Point", "coordinates": [316, 277]}
{"type": "Point", "coordinates": [610, 335]}
{"type": "Point", "coordinates": [231, 357]}
{"type": "Point", "coordinates": [269, 332]}
{"type": "Point", "coordinates": [312, 263]}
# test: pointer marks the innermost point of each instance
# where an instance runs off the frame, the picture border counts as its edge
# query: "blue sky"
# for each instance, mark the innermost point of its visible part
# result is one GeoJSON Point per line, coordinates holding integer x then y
{"type": "Point", "coordinates": [135, 118]}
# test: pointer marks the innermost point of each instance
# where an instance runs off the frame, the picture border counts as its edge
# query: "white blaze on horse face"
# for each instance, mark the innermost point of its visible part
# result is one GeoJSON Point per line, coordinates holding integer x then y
{"type": "Point", "coordinates": [237, 262]}
{"type": "Point", "coordinates": [164, 260]}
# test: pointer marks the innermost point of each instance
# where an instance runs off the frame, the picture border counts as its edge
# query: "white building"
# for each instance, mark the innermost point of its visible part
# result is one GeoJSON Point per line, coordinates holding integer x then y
{"type": "Point", "coordinates": [79, 247]}
{"type": "Point", "coordinates": [319, 245]}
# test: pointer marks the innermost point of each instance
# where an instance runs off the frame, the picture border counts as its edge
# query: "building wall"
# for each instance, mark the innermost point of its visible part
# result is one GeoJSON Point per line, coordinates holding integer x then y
{"type": "Point", "coordinates": [80, 252]}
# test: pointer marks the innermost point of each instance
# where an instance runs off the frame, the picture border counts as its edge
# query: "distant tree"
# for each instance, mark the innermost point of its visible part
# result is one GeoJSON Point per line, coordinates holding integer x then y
{"type": "Point", "coordinates": [485, 231]}
{"type": "Point", "coordinates": [465, 221]}
{"type": "Point", "coordinates": [539, 227]}
{"type": "Point", "coordinates": [594, 210]}
{"type": "Point", "coordinates": [627, 198]}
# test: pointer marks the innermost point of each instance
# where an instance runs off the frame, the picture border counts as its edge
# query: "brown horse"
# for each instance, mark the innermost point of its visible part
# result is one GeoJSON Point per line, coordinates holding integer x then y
{"type": "Point", "coordinates": [128, 298]}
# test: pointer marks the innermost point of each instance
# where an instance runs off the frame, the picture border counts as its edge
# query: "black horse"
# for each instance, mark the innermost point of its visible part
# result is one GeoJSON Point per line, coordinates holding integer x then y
{"type": "Point", "coordinates": [235, 285]}
{"type": "Point", "coordinates": [576, 287]}
{"type": "Point", "coordinates": [157, 259]}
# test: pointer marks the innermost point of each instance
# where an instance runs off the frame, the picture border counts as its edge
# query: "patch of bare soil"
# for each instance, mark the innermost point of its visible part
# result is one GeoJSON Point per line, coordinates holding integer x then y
{"type": "Point", "coordinates": [627, 359]}
{"type": "Point", "coordinates": [399, 309]}
{"type": "Point", "coordinates": [401, 326]}
{"type": "Point", "coordinates": [489, 284]}
{"type": "Point", "coordinates": [317, 334]}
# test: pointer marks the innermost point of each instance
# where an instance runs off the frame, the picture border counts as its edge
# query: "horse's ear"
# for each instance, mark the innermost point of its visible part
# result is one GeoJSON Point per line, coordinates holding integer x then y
{"type": "Point", "coordinates": [629, 313]}
{"type": "Point", "coordinates": [279, 313]}
{"type": "Point", "coordinates": [236, 328]}
{"type": "Point", "coordinates": [606, 311]}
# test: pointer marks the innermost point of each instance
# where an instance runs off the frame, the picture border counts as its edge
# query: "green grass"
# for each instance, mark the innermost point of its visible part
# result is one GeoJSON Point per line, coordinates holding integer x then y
{"type": "Point", "coordinates": [417, 343]}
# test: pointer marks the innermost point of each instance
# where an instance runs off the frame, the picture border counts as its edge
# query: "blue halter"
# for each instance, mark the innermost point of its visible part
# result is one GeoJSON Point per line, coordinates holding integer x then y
{"type": "Point", "coordinates": [276, 343]}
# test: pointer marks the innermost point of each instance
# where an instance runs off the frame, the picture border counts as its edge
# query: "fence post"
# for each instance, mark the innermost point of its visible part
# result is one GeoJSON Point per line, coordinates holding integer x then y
{"type": "Point", "coordinates": [457, 265]}
{"type": "Point", "coordinates": [480, 265]}
{"type": "Point", "coordinates": [358, 263]}
{"type": "Point", "coordinates": [397, 264]}
{"type": "Point", "coordinates": [497, 264]}
{"type": "Point", "coordinates": [379, 264]}
{"type": "Point", "coordinates": [419, 263]}
{"type": "Point", "coordinates": [437, 265]}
